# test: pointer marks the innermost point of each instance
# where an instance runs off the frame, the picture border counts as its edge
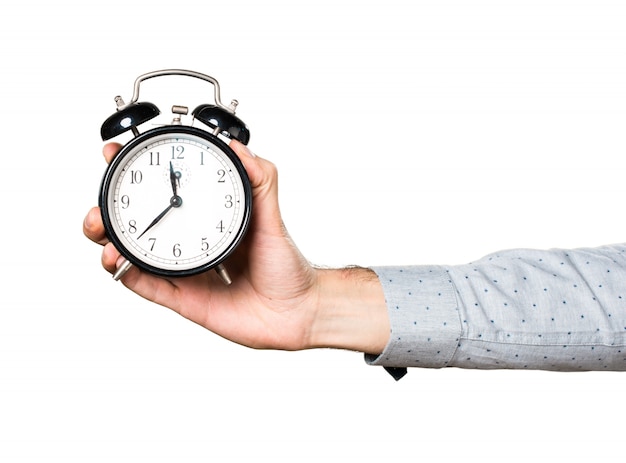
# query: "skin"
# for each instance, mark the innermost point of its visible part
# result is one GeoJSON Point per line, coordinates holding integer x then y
{"type": "Point", "coordinates": [277, 299]}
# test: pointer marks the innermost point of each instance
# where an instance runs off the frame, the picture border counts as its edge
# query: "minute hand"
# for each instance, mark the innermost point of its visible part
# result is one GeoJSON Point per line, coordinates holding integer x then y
{"type": "Point", "coordinates": [175, 201]}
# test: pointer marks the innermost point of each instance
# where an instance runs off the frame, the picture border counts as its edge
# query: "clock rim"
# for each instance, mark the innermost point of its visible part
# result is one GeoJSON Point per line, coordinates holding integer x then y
{"type": "Point", "coordinates": [144, 138]}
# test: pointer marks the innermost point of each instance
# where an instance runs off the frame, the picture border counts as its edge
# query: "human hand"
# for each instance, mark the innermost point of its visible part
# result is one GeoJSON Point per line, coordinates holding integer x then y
{"type": "Point", "coordinates": [277, 299]}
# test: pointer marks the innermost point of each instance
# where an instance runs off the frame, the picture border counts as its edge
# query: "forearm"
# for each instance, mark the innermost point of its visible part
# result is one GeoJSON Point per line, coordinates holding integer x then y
{"type": "Point", "coordinates": [554, 309]}
{"type": "Point", "coordinates": [527, 309]}
{"type": "Point", "coordinates": [351, 312]}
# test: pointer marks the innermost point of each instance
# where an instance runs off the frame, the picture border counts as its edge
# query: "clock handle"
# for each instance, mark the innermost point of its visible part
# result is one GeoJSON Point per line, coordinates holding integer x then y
{"type": "Point", "coordinates": [180, 72]}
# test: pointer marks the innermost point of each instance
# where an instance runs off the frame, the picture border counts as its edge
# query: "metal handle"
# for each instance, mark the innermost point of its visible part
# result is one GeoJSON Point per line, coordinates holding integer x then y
{"type": "Point", "coordinates": [180, 72]}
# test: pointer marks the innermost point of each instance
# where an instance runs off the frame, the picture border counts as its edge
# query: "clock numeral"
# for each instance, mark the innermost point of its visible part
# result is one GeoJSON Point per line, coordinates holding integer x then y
{"type": "Point", "coordinates": [177, 152]}
{"type": "Point", "coordinates": [152, 243]}
{"type": "Point", "coordinates": [205, 245]}
{"type": "Point", "coordinates": [221, 174]}
{"type": "Point", "coordinates": [176, 250]}
{"type": "Point", "coordinates": [229, 201]}
{"type": "Point", "coordinates": [201, 158]}
{"type": "Point", "coordinates": [220, 226]}
{"type": "Point", "coordinates": [135, 177]}
{"type": "Point", "coordinates": [125, 200]}
{"type": "Point", "coordinates": [155, 158]}
{"type": "Point", "coordinates": [132, 226]}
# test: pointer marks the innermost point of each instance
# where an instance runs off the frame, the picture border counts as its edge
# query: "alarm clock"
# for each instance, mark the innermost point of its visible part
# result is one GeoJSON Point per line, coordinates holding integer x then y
{"type": "Point", "coordinates": [176, 200]}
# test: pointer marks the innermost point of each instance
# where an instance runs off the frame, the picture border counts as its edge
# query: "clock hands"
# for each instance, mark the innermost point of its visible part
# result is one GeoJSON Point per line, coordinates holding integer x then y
{"type": "Point", "coordinates": [175, 201]}
{"type": "Point", "coordinates": [174, 180]}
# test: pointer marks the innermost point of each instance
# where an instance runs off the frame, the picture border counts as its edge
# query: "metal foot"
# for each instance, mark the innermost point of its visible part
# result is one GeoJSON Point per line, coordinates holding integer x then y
{"type": "Point", "coordinates": [223, 274]}
{"type": "Point", "coordinates": [121, 271]}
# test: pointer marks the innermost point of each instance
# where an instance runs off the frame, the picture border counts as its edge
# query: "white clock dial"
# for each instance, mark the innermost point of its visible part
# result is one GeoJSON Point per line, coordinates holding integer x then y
{"type": "Point", "coordinates": [176, 202]}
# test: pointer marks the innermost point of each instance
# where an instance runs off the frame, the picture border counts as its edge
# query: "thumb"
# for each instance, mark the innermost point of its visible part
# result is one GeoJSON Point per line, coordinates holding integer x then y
{"type": "Point", "coordinates": [263, 177]}
{"type": "Point", "coordinates": [261, 172]}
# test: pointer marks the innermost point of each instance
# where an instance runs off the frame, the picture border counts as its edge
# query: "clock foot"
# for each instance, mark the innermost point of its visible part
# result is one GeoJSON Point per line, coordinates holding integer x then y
{"type": "Point", "coordinates": [223, 274]}
{"type": "Point", "coordinates": [121, 271]}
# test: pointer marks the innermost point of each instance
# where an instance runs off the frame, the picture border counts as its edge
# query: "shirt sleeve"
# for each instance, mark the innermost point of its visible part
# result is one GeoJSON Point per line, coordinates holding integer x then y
{"type": "Point", "coordinates": [556, 309]}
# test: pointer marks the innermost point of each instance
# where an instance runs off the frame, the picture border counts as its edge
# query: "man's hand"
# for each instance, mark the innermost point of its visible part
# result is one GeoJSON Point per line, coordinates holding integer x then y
{"type": "Point", "coordinates": [277, 299]}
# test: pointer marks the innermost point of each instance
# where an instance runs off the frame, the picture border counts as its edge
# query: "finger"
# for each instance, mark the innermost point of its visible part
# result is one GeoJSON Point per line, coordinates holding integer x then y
{"type": "Point", "coordinates": [263, 175]}
{"type": "Point", "coordinates": [147, 286]}
{"type": "Point", "coordinates": [93, 228]}
{"type": "Point", "coordinates": [150, 287]}
{"type": "Point", "coordinates": [110, 150]}
{"type": "Point", "coordinates": [110, 257]}
{"type": "Point", "coordinates": [252, 163]}
{"type": "Point", "coordinates": [261, 172]}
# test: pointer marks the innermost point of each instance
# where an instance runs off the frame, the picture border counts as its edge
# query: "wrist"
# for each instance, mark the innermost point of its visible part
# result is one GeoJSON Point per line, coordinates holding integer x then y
{"type": "Point", "coordinates": [351, 312]}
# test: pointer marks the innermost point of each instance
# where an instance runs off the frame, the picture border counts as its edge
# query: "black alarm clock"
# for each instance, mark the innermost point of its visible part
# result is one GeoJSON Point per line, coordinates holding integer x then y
{"type": "Point", "coordinates": [176, 200]}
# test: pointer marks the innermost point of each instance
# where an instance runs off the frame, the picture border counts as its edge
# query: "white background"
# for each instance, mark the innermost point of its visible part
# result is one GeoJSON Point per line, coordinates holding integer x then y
{"type": "Point", "coordinates": [413, 132]}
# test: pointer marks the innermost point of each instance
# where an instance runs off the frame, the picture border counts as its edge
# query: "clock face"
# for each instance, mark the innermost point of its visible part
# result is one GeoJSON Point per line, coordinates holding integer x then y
{"type": "Point", "coordinates": [175, 201]}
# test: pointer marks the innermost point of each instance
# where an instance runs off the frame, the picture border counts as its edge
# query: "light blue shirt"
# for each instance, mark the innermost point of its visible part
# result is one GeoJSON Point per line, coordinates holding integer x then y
{"type": "Point", "coordinates": [552, 310]}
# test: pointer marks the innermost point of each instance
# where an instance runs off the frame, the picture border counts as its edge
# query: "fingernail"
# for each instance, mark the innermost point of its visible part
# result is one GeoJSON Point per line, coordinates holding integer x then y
{"type": "Point", "coordinates": [119, 262]}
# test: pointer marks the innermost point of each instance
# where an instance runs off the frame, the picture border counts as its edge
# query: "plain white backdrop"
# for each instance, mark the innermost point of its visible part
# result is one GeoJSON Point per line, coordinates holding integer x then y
{"type": "Point", "coordinates": [405, 132]}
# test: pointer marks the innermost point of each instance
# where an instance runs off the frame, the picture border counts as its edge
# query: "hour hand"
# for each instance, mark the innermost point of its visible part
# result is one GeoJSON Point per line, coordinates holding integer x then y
{"type": "Point", "coordinates": [173, 180]}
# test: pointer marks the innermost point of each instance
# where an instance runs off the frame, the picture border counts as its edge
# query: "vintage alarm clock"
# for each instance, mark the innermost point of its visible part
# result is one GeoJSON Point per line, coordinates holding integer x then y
{"type": "Point", "coordinates": [176, 200]}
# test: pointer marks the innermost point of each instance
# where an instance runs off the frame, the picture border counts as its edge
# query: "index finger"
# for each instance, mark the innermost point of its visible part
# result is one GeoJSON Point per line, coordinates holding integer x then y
{"type": "Point", "coordinates": [110, 150]}
{"type": "Point", "coordinates": [93, 228]}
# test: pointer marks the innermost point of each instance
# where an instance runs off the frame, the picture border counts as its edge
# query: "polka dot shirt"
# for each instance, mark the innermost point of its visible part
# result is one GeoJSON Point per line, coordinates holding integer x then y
{"type": "Point", "coordinates": [551, 310]}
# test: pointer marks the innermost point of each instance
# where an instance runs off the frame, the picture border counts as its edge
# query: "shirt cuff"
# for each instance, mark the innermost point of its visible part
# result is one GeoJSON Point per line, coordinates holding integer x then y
{"type": "Point", "coordinates": [424, 317]}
